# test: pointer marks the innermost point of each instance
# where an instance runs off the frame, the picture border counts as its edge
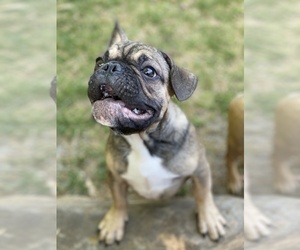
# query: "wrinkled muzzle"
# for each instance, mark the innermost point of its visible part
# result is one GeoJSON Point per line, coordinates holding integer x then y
{"type": "Point", "coordinates": [118, 102]}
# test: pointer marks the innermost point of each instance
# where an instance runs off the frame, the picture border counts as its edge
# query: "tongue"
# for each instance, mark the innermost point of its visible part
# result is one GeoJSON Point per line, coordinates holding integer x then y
{"type": "Point", "coordinates": [106, 111]}
{"type": "Point", "coordinates": [113, 113]}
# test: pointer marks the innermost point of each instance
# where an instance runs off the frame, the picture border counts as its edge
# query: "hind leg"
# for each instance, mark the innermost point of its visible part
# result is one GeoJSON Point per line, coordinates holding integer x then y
{"type": "Point", "coordinates": [235, 182]}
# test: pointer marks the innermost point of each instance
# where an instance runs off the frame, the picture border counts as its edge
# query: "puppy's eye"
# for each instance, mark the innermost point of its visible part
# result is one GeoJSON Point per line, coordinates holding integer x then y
{"type": "Point", "coordinates": [149, 71]}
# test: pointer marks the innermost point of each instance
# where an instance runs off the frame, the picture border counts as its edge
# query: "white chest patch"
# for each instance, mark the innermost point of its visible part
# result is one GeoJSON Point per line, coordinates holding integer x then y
{"type": "Point", "coordinates": [146, 173]}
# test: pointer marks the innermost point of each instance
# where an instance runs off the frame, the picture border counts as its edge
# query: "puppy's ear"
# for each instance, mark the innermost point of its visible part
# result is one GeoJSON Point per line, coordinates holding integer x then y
{"type": "Point", "coordinates": [183, 83]}
{"type": "Point", "coordinates": [118, 35]}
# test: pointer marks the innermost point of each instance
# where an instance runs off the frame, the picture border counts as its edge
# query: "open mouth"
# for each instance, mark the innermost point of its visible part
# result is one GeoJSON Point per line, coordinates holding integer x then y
{"type": "Point", "coordinates": [108, 95]}
{"type": "Point", "coordinates": [114, 111]}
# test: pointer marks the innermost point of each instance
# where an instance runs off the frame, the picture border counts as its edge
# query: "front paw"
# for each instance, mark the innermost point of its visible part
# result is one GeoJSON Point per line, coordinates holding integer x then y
{"type": "Point", "coordinates": [112, 226]}
{"type": "Point", "coordinates": [256, 225]}
{"type": "Point", "coordinates": [211, 222]}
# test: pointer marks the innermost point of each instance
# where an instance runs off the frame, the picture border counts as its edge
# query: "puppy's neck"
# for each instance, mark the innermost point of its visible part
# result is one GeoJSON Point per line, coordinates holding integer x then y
{"type": "Point", "coordinates": [175, 117]}
{"type": "Point", "coordinates": [166, 138]}
{"type": "Point", "coordinates": [170, 128]}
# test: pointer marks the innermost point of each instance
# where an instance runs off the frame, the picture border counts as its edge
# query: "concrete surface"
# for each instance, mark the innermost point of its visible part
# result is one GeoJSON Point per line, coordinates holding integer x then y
{"type": "Point", "coordinates": [27, 223]}
{"type": "Point", "coordinates": [168, 225]}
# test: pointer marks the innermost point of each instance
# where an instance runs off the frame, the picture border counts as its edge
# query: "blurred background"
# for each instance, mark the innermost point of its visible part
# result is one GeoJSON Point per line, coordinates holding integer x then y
{"type": "Point", "coordinates": [205, 37]}
{"type": "Point", "coordinates": [271, 74]}
{"type": "Point", "coordinates": [27, 124]}
{"type": "Point", "coordinates": [272, 117]}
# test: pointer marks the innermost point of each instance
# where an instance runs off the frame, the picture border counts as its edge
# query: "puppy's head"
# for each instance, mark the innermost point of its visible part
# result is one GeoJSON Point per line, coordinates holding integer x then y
{"type": "Point", "coordinates": [132, 84]}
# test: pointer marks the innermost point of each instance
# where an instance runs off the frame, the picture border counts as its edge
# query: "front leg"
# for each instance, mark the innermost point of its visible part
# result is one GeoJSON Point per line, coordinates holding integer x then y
{"type": "Point", "coordinates": [112, 226]}
{"type": "Point", "coordinates": [210, 221]}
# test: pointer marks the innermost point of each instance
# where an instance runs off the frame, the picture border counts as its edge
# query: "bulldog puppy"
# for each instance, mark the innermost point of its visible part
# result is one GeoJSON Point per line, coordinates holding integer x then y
{"type": "Point", "coordinates": [286, 150]}
{"type": "Point", "coordinates": [152, 146]}
{"type": "Point", "coordinates": [235, 144]}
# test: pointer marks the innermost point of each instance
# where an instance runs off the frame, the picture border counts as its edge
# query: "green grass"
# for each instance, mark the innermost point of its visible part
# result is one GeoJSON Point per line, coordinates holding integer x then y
{"type": "Point", "coordinates": [27, 114]}
{"type": "Point", "coordinates": [205, 37]}
{"type": "Point", "coordinates": [271, 61]}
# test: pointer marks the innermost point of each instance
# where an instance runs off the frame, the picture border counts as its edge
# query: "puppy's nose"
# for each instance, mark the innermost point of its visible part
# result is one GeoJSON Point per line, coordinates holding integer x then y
{"type": "Point", "coordinates": [112, 67]}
